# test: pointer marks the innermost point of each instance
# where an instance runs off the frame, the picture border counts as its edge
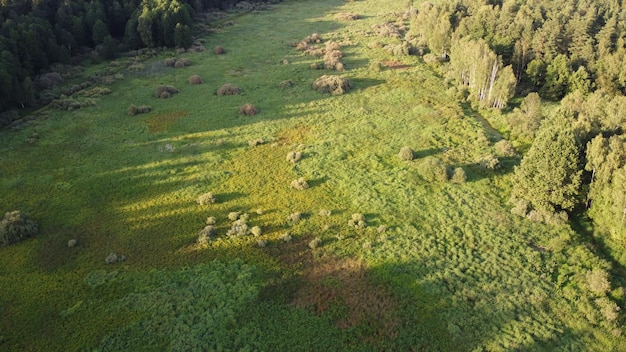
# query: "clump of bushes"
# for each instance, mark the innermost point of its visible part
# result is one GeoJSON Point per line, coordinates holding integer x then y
{"type": "Point", "coordinates": [332, 57]}
{"type": "Point", "coordinates": [357, 221]}
{"type": "Point", "coordinates": [256, 231]}
{"type": "Point", "coordinates": [325, 212]}
{"type": "Point", "coordinates": [406, 153]}
{"type": "Point", "coordinates": [286, 237]}
{"type": "Point", "coordinates": [195, 79]}
{"type": "Point", "coordinates": [16, 226]}
{"type": "Point", "coordinates": [433, 170]}
{"type": "Point", "coordinates": [255, 142]}
{"type": "Point", "coordinates": [229, 89]}
{"type": "Point", "coordinates": [504, 148]}
{"type": "Point", "coordinates": [295, 217]}
{"type": "Point", "coordinates": [490, 162]}
{"type": "Point", "coordinates": [113, 258]}
{"type": "Point", "coordinates": [286, 84]}
{"type": "Point", "coordinates": [334, 85]}
{"type": "Point", "coordinates": [458, 176]}
{"type": "Point", "coordinates": [233, 215]}
{"type": "Point", "coordinates": [294, 157]}
{"type": "Point", "coordinates": [178, 63]}
{"type": "Point", "coordinates": [402, 49]}
{"type": "Point", "coordinates": [598, 281]}
{"type": "Point", "coordinates": [316, 242]}
{"type": "Point", "coordinates": [69, 103]}
{"type": "Point", "coordinates": [299, 184]}
{"type": "Point", "coordinates": [204, 237]}
{"type": "Point", "coordinates": [206, 199]}
{"type": "Point", "coordinates": [248, 110]}
{"type": "Point", "coordinates": [261, 243]}
{"type": "Point", "coordinates": [386, 30]}
{"type": "Point", "coordinates": [211, 220]}
{"type": "Point", "coordinates": [164, 91]}
{"type": "Point", "coordinates": [239, 228]}
{"type": "Point", "coordinates": [94, 92]}
{"type": "Point", "coordinates": [219, 50]}
{"type": "Point", "coordinates": [349, 16]}
{"type": "Point", "coordinates": [136, 110]}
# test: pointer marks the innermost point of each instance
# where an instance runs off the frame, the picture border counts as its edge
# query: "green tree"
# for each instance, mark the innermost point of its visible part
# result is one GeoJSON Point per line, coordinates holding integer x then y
{"type": "Point", "coordinates": [99, 32]}
{"type": "Point", "coordinates": [182, 36]}
{"type": "Point", "coordinates": [548, 178]}
{"type": "Point", "coordinates": [557, 78]}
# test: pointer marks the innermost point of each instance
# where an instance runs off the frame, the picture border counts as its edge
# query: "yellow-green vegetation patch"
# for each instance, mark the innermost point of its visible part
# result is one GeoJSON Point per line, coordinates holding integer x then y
{"type": "Point", "coordinates": [163, 121]}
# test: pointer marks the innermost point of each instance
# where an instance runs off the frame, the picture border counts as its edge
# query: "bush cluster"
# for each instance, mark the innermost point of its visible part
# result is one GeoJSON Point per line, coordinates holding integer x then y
{"type": "Point", "coordinates": [178, 63]}
{"type": "Point", "coordinates": [357, 221]}
{"type": "Point", "coordinates": [332, 57]}
{"type": "Point", "coordinates": [248, 110]}
{"type": "Point", "coordinates": [458, 175]}
{"type": "Point", "coordinates": [294, 156]}
{"type": "Point", "coordinates": [299, 184]}
{"type": "Point", "coordinates": [164, 91]}
{"type": "Point", "coordinates": [347, 16]}
{"type": "Point", "coordinates": [334, 85]}
{"type": "Point", "coordinates": [228, 89]}
{"type": "Point", "coordinates": [204, 236]}
{"type": "Point", "coordinates": [16, 226]}
{"type": "Point", "coordinates": [433, 170]}
{"type": "Point", "coordinates": [219, 50]}
{"type": "Point", "coordinates": [113, 258]}
{"type": "Point", "coordinates": [136, 110]}
{"type": "Point", "coordinates": [69, 103]}
{"type": "Point", "coordinates": [316, 242]}
{"type": "Point", "coordinates": [195, 79]}
{"type": "Point", "coordinates": [406, 153]}
{"type": "Point", "coordinates": [286, 84]}
{"type": "Point", "coordinates": [206, 199]}
{"type": "Point", "coordinates": [295, 217]}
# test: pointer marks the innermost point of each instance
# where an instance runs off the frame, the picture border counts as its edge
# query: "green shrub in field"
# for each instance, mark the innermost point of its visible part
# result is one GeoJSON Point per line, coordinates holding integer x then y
{"type": "Point", "coordinates": [229, 89]}
{"type": "Point", "coordinates": [598, 281]}
{"type": "Point", "coordinates": [233, 215]}
{"type": "Point", "coordinates": [204, 237]}
{"type": "Point", "coordinates": [294, 157]}
{"type": "Point", "coordinates": [218, 50]}
{"type": "Point", "coordinates": [239, 228]}
{"type": "Point", "coordinates": [357, 221]}
{"type": "Point", "coordinates": [71, 243]}
{"type": "Point", "coordinates": [211, 220]}
{"type": "Point", "coordinates": [334, 85]}
{"type": "Point", "coordinates": [299, 184]}
{"type": "Point", "coordinates": [432, 169]}
{"type": "Point", "coordinates": [113, 258]}
{"type": "Point", "coordinates": [206, 199]}
{"type": "Point", "coordinates": [325, 212]}
{"type": "Point", "coordinates": [15, 227]}
{"type": "Point", "coordinates": [458, 175]}
{"type": "Point", "coordinates": [295, 217]}
{"type": "Point", "coordinates": [256, 231]}
{"type": "Point", "coordinates": [316, 242]}
{"type": "Point", "coordinates": [195, 79]}
{"type": "Point", "coordinates": [406, 153]}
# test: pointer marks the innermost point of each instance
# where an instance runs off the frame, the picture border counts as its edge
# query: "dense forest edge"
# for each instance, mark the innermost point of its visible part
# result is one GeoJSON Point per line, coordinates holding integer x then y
{"type": "Point", "coordinates": [544, 80]}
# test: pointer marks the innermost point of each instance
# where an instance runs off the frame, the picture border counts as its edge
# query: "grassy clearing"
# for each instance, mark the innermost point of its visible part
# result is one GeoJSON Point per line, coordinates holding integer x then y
{"type": "Point", "coordinates": [453, 270]}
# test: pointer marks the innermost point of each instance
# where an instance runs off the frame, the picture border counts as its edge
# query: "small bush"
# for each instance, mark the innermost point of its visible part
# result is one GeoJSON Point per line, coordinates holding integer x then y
{"type": "Point", "coordinates": [608, 308]}
{"type": "Point", "coordinates": [316, 242]}
{"type": "Point", "coordinates": [406, 153]}
{"type": "Point", "coordinates": [347, 16]}
{"type": "Point", "coordinates": [255, 142]}
{"type": "Point", "coordinates": [295, 217]}
{"type": "Point", "coordinates": [299, 184]}
{"type": "Point", "coordinates": [71, 243]}
{"type": "Point", "coordinates": [261, 243]}
{"type": "Point", "coordinates": [165, 92]}
{"type": "Point", "coordinates": [170, 62]}
{"type": "Point", "coordinates": [218, 50]}
{"type": "Point", "coordinates": [294, 157]}
{"type": "Point", "coordinates": [490, 162]}
{"type": "Point", "coordinates": [286, 237]}
{"type": "Point", "coordinates": [204, 237]}
{"type": "Point", "coordinates": [286, 84]}
{"type": "Point", "coordinates": [334, 85]}
{"type": "Point", "coordinates": [136, 110]}
{"type": "Point", "coordinates": [380, 229]}
{"type": "Point", "coordinates": [195, 79]}
{"type": "Point", "coordinates": [598, 281]}
{"type": "Point", "coordinates": [113, 258]}
{"type": "Point", "coordinates": [229, 89]}
{"type": "Point", "coordinates": [458, 175]}
{"type": "Point", "coordinates": [179, 64]}
{"type": "Point", "coordinates": [504, 148]}
{"type": "Point", "coordinates": [206, 199]}
{"type": "Point", "coordinates": [210, 220]}
{"type": "Point", "coordinates": [433, 170]}
{"type": "Point", "coordinates": [256, 231]}
{"type": "Point", "coordinates": [15, 227]}
{"type": "Point", "coordinates": [325, 212]}
{"type": "Point", "coordinates": [386, 30]}
{"type": "Point", "coordinates": [357, 221]}
{"type": "Point", "coordinates": [376, 66]}
{"type": "Point", "coordinates": [248, 110]}
{"type": "Point", "coordinates": [233, 215]}
{"type": "Point", "coordinates": [398, 49]}
{"type": "Point", "coordinates": [182, 62]}
{"type": "Point", "coordinates": [239, 228]}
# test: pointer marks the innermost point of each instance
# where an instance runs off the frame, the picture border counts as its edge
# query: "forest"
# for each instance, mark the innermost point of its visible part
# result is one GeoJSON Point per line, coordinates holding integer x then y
{"type": "Point", "coordinates": [313, 175]}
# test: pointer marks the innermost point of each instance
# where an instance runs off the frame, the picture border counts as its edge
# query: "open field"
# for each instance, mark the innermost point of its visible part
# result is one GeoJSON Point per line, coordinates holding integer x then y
{"type": "Point", "coordinates": [441, 266]}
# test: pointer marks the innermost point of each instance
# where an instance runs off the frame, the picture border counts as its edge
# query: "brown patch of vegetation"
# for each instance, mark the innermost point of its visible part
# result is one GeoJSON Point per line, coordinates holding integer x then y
{"type": "Point", "coordinates": [345, 282]}
{"type": "Point", "coordinates": [165, 92]}
{"type": "Point", "coordinates": [218, 50]}
{"type": "Point", "coordinates": [386, 30]}
{"type": "Point", "coordinates": [349, 16]}
{"type": "Point", "coordinates": [228, 89]}
{"type": "Point", "coordinates": [195, 79]}
{"type": "Point", "coordinates": [164, 121]}
{"type": "Point", "coordinates": [334, 85]}
{"type": "Point", "coordinates": [248, 110]}
{"type": "Point", "coordinates": [136, 110]}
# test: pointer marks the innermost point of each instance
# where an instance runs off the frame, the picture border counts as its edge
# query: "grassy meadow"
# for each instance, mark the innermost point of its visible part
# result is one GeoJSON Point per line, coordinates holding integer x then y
{"type": "Point", "coordinates": [441, 266]}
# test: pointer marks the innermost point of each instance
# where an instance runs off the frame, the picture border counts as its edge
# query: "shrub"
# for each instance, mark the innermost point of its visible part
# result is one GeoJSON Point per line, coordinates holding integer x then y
{"type": "Point", "coordinates": [402, 49]}
{"type": "Point", "coordinates": [608, 308]}
{"type": "Point", "coordinates": [71, 243]}
{"type": "Point", "coordinates": [256, 231]}
{"type": "Point", "coordinates": [458, 175]}
{"type": "Point", "coordinates": [286, 237]}
{"type": "Point", "coordinates": [286, 84]}
{"type": "Point", "coordinates": [325, 212]}
{"type": "Point", "coordinates": [182, 62]}
{"type": "Point", "coordinates": [239, 228]}
{"type": "Point", "coordinates": [248, 110]}
{"type": "Point", "coordinates": [433, 170]}
{"type": "Point", "coordinates": [316, 242]}
{"type": "Point", "coordinates": [141, 109]}
{"type": "Point", "coordinates": [386, 30]}
{"type": "Point", "coordinates": [334, 85]}
{"type": "Point", "coordinates": [406, 153]}
{"type": "Point", "coordinates": [218, 50]}
{"type": "Point", "coordinates": [211, 220]}
{"type": "Point", "coordinates": [294, 157]}
{"type": "Point", "coordinates": [206, 199]}
{"type": "Point", "coordinates": [15, 227]}
{"type": "Point", "coordinates": [295, 217]}
{"type": "Point", "coordinates": [598, 281]}
{"type": "Point", "coordinates": [204, 236]}
{"type": "Point", "coordinates": [490, 162]}
{"type": "Point", "coordinates": [382, 228]}
{"type": "Point", "coordinates": [347, 16]}
{"type": "Point", "coordinates": [179, 64]}
{"type": "Point", "coordinates": [261, 243]}
{"type": "Point", "coordinates": [504, 148]}
{"type": "Point", "coordinates": [195, 79]}
{"type": "Point", "coordinates": [164, 91]}
{"type": "Point", "coordinates": [357, 221]}
{"type": "Point", "coordinates": [299, 184]}
{"type": "Point", "coordinates": [233, 215]}
{"type": "Point", "coordinates": [113, 258]}
{"type": "Point", "coordinates": [228, 89]}
{"type": "Point", "coordinates": [170, 62]}
{"type": "Point", "coordinates": [376, 66]}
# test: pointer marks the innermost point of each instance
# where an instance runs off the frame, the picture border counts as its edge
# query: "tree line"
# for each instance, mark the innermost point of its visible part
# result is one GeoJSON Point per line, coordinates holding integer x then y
{"type": "Point", "coordinates": [37, 33]}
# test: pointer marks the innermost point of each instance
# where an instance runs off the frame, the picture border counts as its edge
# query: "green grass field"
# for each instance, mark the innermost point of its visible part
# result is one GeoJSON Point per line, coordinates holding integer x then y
{"type": "Point", "coordinates": [453, 271]}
